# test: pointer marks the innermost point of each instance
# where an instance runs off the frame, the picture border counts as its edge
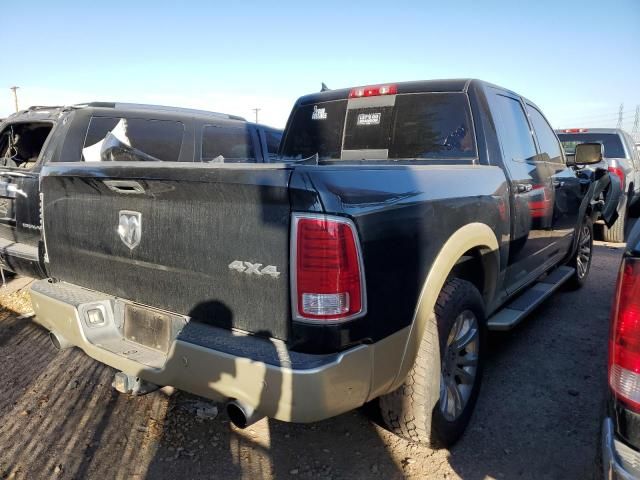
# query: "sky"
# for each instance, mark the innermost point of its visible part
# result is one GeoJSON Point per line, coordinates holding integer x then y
{"type": "Point", "coordinates": [578, 60]}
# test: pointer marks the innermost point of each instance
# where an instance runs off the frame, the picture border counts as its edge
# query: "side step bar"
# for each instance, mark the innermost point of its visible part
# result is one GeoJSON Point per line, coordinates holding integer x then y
{"type": "Point", "coordinates": [515, 311]}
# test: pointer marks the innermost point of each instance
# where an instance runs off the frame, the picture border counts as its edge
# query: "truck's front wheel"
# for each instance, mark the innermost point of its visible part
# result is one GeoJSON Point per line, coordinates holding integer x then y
{"type": "Point", "coordinates": [581, 261]}
{"type": "Point", "coordinates": [434, 405]}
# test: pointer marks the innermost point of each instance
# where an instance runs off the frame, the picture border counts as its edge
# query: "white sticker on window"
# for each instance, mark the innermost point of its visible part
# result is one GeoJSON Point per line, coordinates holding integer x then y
{"type": "Point", "coordinates": [369, 119]}
{"type": "Point", "coordinates": [318, 113]}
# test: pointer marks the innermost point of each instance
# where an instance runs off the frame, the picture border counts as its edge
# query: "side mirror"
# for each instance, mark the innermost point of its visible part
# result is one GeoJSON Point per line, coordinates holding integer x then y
{"type": "Point", "coordinates": [588, 154]}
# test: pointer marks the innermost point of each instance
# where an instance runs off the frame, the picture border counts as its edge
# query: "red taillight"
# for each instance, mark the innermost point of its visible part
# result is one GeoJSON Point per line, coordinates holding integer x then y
{"type": "Point", "coordinates": [575, 130]}
{"type": "Point", "coordinates": [624, 338]}
{"type": "Point", "coordinates": [619, 173]}
{"type": "Point", "coordinates": [328, 272]}
{"type": "Point", "coordinates": [373, 91]}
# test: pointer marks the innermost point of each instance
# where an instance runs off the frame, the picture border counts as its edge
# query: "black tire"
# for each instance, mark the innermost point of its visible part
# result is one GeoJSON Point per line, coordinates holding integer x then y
{"type": "Point", "coordinates": [615, 234]}
{"type": "Point", "coordinates": [414, 410]}
{"type": "Point", "coordinates": [584, 251]}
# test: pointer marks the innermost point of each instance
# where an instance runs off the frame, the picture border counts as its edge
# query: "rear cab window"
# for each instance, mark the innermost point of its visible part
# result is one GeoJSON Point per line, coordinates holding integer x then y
{"type": "Point", "coordinates": [611, 142]}
{"type": "Point", "coordinates": [411, 126]}
{"type": "Point", "coordinates": [132, 139]}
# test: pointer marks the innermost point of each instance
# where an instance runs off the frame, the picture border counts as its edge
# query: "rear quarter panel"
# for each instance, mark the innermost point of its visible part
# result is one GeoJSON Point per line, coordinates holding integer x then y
{"type": "Point", "coordinates": [404, 215]}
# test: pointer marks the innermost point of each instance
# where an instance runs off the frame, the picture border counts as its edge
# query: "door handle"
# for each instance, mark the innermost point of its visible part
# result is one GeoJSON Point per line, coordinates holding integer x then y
{"type": "Point", "coordinates": [127, 187]}
{"type": "Point", "coordinates": [523, 187]}
{"type": "Point", "coordinates": [558, 184]}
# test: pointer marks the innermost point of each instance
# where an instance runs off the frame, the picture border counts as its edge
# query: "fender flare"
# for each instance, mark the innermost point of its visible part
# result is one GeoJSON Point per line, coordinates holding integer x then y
{"type": "Point", "coordinates": [472, 235]}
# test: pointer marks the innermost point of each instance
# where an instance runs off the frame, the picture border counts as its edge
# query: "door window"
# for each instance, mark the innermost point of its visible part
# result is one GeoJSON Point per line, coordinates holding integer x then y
{"type": "Point", "coordinates": [273, 143]}
{"type": "Point", "coordinates": [227, 144]}
{"type": "Point", "coordinates": [132, 139]}
{"type": "Point", "coordinates": [549, 145]}
{"type": "Point", "coordinates": [513, 129]}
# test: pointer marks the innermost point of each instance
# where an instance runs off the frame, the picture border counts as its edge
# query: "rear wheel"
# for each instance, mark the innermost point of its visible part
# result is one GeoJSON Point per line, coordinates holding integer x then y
{"type": "Point", "coordinates": [615, 234]}
{"type": "Point", "coordinates": [581, 261]}
{"type": "Point", "coordinates": [435, 403]}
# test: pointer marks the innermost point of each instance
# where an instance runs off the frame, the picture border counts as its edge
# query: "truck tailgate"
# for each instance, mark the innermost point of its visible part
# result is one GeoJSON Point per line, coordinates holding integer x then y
{"type": "Point", "coordinates": [207, 241]}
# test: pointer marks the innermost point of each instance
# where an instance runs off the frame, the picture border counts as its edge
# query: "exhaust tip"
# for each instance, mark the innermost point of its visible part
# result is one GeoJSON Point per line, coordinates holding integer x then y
{"type": "Point", "coordinates": [59, 342]}
{"type": "Point", "coordinates": [241, 415]}
{"type": "Point", "coordinates": [237, 415]}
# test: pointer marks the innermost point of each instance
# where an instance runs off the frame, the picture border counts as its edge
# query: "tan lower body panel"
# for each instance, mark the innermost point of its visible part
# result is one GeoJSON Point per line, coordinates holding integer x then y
{"type": "Point", "coordinates": [294, 395]}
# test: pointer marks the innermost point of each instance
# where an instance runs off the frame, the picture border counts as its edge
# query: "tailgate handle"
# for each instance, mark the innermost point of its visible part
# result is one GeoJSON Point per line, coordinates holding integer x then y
{"type": "Point", "coordinates": [126, 187]}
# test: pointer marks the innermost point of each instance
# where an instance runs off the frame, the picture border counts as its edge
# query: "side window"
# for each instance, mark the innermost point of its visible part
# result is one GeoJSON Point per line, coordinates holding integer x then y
{"type": "Point", "coordinates": [132, 139]}
{"type": "Point", "coordinates": [273, 142]}
{"type": "Point", "coordinates": [227, 144]}
{"type": "Point", "coordinates": [513, 129]}
{"type": "Point", "coordinates": [549, 145]}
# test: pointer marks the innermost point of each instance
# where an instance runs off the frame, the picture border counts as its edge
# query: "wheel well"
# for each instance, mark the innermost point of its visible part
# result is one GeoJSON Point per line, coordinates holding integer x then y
{"type": "Point", "coordinates": [478, 266]}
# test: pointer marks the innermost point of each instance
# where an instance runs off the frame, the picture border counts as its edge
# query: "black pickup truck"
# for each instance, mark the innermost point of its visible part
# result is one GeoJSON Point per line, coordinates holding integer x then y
{"type": "Point", "coordinates": [31, 138]}
{"type": "Point", "coordinates": [401, 222]}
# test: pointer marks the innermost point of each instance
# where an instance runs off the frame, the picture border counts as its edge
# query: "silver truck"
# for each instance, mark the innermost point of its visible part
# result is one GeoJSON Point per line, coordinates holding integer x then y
{"type": "Point", "coordinates": [623, 160]}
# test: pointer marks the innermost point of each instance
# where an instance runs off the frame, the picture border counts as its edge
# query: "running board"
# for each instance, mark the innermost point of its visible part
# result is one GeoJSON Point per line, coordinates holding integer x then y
{"type": "Point", "coordinates": [516, 310]}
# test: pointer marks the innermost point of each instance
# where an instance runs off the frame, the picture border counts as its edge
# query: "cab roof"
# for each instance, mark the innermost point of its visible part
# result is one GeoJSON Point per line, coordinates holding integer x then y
{"type": "Point", "coordinates": [52, 113]}
{"type": "Point", "coordinates": [451, 85]}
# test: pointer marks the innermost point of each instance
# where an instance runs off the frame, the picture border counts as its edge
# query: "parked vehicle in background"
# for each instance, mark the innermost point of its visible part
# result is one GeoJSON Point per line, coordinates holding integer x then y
{"type": "Point", "coordinates": [621, 427]}
{"type": "Point", "coordinates": [99, 132]}
{"type": "Point", "coordinates": [402, 222]}
{"type": "Point", "coordinates": [623, 160]}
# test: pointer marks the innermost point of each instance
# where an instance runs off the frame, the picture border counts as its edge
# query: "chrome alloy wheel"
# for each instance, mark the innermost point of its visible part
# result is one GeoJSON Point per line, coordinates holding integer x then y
{"type": "Point", "coordinates": [459, 365]}
{"type": "Point", "coordinates": [583, 258]}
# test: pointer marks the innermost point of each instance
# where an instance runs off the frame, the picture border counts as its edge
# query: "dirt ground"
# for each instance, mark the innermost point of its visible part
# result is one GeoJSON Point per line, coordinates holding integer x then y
{"type": "Point", "coordinates": [538, 415]}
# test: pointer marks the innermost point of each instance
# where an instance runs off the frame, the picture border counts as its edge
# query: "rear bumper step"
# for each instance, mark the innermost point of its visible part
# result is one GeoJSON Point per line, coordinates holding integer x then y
{"type": "Point", "coordinates": [20, 258]}
{"type": "Point", "coordinates": [211, 362]}
{"type": "Point", "coordinates": [515, 311]}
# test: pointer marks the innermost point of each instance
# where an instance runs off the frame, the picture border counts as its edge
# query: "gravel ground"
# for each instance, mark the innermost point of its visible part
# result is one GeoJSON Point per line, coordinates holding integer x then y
{"type": "Point", "coordinates": [538, 414]}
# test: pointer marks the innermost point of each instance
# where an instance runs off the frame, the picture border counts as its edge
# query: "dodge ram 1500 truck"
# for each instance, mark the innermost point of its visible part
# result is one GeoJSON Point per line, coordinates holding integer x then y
{"type": "Point", "coordinates": [401, 222]}
{"type": "Point", "coordinates": [33, 137]}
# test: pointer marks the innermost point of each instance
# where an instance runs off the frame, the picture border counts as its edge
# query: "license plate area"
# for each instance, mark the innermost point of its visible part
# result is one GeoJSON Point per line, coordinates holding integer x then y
{"type": "Point", "coordinates": [148, 327]}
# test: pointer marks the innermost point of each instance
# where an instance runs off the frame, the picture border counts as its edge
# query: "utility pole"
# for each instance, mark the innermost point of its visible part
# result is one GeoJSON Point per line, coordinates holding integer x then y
{"type": "Point", "coordinates": [256, 110]}
{"type": "Point", "coordinates": [636, 122]}
{"type": "Point", "coordinates": [620, 115]}
{"type": "Point", "coordinates": [15, 95]}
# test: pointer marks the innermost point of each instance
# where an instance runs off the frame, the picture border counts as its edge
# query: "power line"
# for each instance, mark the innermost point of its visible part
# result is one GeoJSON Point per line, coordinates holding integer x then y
{"type": "Point", "coordinates": [636, 122]}
{"type": "Point", "coordinates": [611, 116]}
{"type": "Point", "coordinates": [603, 120]}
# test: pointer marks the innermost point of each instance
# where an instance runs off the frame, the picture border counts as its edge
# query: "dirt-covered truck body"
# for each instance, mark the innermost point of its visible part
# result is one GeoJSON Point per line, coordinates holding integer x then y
{"type": "Point", "coordinates": [400, 223]}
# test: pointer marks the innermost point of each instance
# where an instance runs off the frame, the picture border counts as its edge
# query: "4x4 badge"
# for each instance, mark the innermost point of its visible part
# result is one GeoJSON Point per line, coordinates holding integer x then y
{"type": "Point", "coordinates": [254, 268]}
{"type": "Point", "coordinates": [130, 228]}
